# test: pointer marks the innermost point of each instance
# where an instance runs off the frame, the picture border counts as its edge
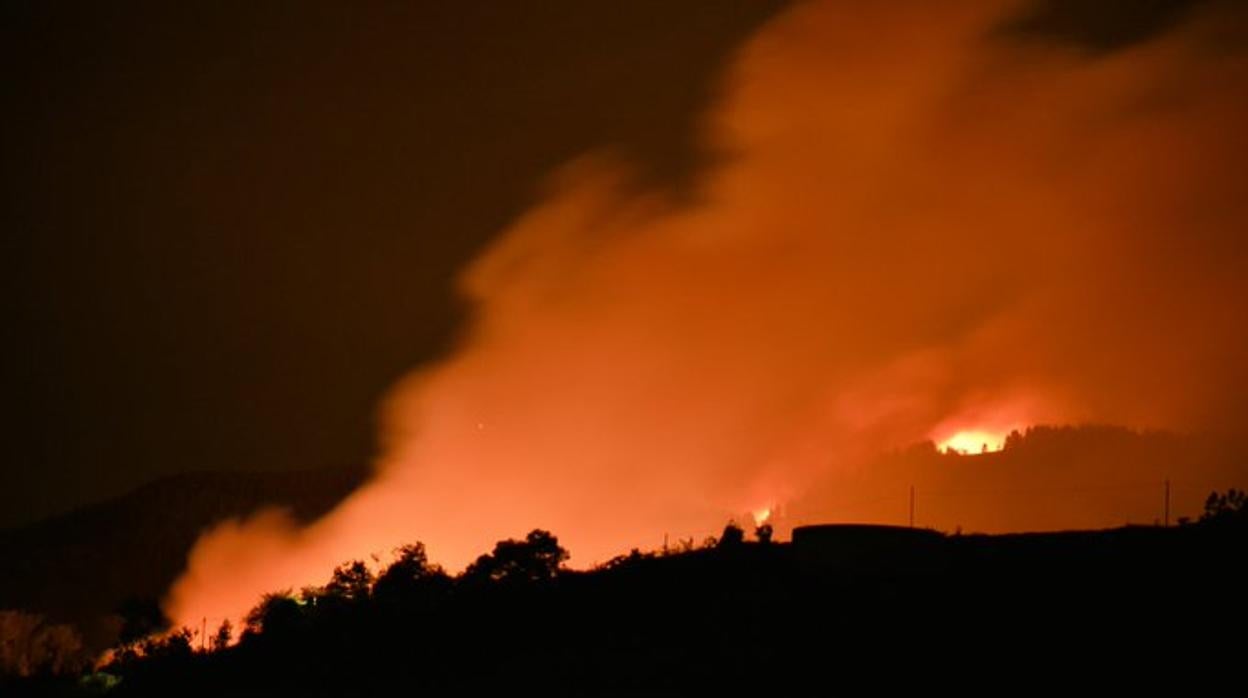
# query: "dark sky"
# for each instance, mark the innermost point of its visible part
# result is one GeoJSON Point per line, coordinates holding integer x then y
{"type": "Point", "coordinates": [228, 228]}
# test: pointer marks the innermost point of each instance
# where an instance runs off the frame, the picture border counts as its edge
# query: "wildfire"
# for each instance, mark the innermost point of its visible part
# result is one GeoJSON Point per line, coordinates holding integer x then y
{"type": "Point", "coordinates": [973, 441]}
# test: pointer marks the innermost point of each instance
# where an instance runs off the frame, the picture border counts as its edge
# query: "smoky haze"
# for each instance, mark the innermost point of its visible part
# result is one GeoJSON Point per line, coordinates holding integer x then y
{"type": "Point", "coordinates": [922, 221]}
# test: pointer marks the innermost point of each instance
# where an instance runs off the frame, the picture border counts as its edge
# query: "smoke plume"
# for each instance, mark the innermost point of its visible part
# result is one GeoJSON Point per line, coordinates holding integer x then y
{"type": "Point", "coordinates": [919, 222]}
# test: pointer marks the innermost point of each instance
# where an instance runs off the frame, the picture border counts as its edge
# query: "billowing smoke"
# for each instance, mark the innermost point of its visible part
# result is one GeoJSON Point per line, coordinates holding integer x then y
{"type": "Point", "coordinates": [920, 222]}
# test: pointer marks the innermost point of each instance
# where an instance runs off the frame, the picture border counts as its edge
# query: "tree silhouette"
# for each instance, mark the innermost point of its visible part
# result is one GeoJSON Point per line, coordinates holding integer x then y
{"type": "Point", "coordinates": [410, 577]}
{"type": "Point", "coordinates": [277, 613]}
{"type": "Point", "coordinates": [1226, 508]}
{"type": "Point", "coordinates": [536, 558]}
{"type": "Point", "coordinates": [763, 533]}
{"type": "Point", "coordinates": [411, 565]}
{"type": "Point", "coordinates": [732, 537]}
{"type": "Point", "coordinates": [221, 639]}
{"type": "Point", "coordinates": [351, 582]}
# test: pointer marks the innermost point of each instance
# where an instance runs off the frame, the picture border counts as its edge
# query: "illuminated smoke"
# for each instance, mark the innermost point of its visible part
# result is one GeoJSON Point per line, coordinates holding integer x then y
{"type": "Point", "coordinates": [920, 225]}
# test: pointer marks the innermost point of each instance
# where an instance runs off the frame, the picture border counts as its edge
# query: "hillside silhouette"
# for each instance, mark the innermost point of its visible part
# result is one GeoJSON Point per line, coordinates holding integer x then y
{"type": "Point", "coordinates": [855, 605]}
{"type": "Point", "coordinates": [97, 574]}
{"type": "Point", "coordinates": [81, 566]}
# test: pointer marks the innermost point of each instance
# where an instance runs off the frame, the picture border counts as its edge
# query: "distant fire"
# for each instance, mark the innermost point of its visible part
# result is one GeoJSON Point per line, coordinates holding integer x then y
{"type": "Point", "coordinates": [973, 441]}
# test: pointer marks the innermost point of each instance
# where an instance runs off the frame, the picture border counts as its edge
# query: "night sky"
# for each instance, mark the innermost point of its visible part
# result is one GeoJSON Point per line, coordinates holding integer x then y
{"type": "Point", "coordinates": [230, 227]}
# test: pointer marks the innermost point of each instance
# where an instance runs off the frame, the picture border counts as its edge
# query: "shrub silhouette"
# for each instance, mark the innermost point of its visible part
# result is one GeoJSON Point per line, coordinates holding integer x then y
{"type": "Point", "coordinates": [634, 557]}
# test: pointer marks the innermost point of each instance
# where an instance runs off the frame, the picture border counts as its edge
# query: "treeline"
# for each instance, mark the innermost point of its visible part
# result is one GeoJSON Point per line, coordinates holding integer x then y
{"type": "Point", "coordinates": [409, 584]}
{"type": "Point", "coordinates": [734, 613]}
{"type": "Point", "coordinates": [414, 622]}
{"type": "Point", "coordinates": [33, 646]}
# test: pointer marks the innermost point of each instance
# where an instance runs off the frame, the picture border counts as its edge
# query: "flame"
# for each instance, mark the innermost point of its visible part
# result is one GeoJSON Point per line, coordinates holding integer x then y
{"type": "Point", "coordinates": [973, 441]}
{"type": "Point", "coordinates": [761, 515]}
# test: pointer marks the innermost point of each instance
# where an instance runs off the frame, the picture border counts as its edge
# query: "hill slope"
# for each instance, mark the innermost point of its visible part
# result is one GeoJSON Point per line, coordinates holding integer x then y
{"type": "Point", "coordinates": [80, 565]}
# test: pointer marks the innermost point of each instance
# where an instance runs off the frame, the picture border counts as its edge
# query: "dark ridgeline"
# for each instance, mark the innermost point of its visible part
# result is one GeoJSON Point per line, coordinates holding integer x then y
{"type": "Point", "coordinates": [838, 608]}
{"type": "Point", "coordinates": [84, 566]}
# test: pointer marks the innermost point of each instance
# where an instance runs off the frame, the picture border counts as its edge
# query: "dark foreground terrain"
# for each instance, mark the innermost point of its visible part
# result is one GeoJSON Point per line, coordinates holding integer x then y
{"type": "Point", "coordinates": [840, 609]}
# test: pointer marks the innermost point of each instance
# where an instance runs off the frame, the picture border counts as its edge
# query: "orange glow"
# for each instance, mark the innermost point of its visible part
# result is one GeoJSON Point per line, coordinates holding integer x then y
{"type": "Point", "coordinates": [761, 516]}
{"type": "Point", "coordinates": [973, 441]}
{"type": "Point", "coordinates": [917, 230]}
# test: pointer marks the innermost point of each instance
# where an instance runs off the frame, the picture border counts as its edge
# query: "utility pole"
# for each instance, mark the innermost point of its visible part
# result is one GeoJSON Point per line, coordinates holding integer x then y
{"type": "Point", "coordinates": [911, 506]}
{"type": "Point", "coordinates": [1167, 510]}
{"type": "Point", "coordinates": [203, 633]}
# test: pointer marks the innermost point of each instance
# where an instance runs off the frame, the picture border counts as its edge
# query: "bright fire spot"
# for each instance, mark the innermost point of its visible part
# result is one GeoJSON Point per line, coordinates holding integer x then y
{"type": "Point", "coordinates": [761, 516]}
{"type": "Point", "coordinates": [973, 441]}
